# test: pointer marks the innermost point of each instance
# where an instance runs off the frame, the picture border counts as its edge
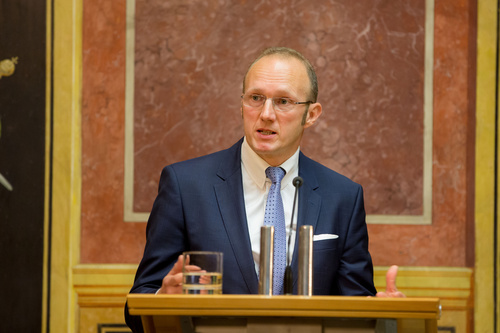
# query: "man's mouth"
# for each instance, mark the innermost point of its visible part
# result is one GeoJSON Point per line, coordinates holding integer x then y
{"type": "Point", "coordinates": [266, 132]}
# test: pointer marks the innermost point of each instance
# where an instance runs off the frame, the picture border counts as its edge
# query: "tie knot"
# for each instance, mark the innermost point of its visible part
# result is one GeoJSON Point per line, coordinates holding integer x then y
{"type": "Point", "coordinates": [276, 174]}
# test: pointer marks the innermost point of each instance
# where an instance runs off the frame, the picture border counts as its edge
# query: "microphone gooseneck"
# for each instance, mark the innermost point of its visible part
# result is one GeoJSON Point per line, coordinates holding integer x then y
{"type": "Point", "coordinates": [288, 283]}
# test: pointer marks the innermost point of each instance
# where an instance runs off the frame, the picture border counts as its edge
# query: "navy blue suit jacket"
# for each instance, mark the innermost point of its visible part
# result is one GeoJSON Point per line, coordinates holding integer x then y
{"type": "Point", "coordinates": [200, 207]}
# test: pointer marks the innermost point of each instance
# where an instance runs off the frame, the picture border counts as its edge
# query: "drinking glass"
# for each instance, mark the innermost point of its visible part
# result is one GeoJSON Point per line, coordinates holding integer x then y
{"type": "Point", "coordinates": [202, 273]}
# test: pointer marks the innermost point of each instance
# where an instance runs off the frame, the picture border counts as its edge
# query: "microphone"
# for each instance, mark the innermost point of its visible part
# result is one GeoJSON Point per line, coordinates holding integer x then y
{"type": "Point", "coordinates": [288, 283]}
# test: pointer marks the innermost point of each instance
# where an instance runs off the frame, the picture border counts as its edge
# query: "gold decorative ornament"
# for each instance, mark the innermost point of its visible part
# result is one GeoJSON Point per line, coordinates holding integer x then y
{"type": "Point", "coordinates": [3, 180]}
{"type": "Point", "coordinates": [8, 66]}
{"type": "Point", "coordinates": [5, 183]}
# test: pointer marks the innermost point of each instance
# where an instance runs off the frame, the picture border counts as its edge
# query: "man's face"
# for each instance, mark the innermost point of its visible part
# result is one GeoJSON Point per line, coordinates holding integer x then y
{"type": "Point", "coordinates": [272, 134]}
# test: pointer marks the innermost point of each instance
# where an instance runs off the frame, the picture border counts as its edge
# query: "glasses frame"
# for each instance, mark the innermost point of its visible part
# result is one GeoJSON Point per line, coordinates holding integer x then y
{"type": "Point", "coordinates": [275, 107]}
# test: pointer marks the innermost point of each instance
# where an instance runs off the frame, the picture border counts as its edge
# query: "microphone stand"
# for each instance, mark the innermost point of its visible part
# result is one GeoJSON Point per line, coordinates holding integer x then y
{"type": "Point", "coordinates": [288, 283]}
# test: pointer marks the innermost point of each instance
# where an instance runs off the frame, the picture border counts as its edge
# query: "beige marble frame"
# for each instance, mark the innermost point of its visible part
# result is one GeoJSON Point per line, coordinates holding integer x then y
{"type": "Point", "coordinates": [426, 218]}
{"type": "Point", "coordinates": [63, 111]}
{"type": "Point", "coordinates": [486, 148]}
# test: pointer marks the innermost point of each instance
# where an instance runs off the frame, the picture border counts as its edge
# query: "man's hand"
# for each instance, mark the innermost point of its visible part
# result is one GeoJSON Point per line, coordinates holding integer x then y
{"type": "Point", "coordinates": [172, 282]}
{"type": "Point", "coordinates": [390, 284]}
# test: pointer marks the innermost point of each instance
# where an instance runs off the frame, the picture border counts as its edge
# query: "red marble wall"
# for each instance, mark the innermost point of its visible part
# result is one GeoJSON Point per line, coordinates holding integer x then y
{"type": "Point", "coordinates": [105, 238]}
{"type": "Point", "coordinates": [372, 109]}
{"type": "Point", "coordinates": [445, 242]}
{"type": "Point", "coordinates": [369, 57]}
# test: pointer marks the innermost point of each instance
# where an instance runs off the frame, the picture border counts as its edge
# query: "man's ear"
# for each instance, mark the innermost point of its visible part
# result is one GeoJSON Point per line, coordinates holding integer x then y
{"type": "Point", "coordinates": [313, 114]}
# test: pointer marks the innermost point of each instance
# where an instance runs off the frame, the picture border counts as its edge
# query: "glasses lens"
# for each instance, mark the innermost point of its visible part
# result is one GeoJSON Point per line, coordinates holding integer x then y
{"type": "Point", "coordinates": [256, 101]}
{"type": "Point", "coordinates": [283, 104]}
{"type": "Point", "coordinates": [253, 100]}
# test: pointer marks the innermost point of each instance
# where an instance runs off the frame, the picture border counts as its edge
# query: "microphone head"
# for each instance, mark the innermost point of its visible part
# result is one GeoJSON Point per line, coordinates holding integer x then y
{"type": "Point", "coordinates": [297, 181]}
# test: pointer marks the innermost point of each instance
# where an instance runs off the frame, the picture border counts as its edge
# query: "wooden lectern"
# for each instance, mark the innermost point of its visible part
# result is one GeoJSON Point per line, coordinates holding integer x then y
{"type": "Point", "coordinates": [291, 314]}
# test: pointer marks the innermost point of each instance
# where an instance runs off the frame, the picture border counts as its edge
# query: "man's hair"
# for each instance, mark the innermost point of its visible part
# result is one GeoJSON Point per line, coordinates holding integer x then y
{"type": "Point", "coordinates": [290, 53]}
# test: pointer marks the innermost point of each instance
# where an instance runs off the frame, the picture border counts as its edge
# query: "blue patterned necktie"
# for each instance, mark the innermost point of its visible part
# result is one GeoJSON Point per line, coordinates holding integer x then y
{"type": "Point", "coordinates": [275, 216]}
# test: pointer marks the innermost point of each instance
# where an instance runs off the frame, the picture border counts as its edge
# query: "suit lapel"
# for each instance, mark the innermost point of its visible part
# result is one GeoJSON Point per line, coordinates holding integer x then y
{"type": "Point", "coordinates": [231, 203]}
{"type": "Point", "coordinates": [309, 199]}
{"type": "Point", "coordinates": [308, 207]}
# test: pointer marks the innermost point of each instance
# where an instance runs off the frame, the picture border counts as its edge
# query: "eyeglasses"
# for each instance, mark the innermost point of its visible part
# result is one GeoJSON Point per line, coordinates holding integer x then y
{"type": "Point", "coordinates": [283, 104]}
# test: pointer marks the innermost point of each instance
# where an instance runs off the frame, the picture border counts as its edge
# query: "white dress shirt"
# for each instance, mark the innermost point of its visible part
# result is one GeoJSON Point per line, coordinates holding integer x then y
{"type": "Point", "coordinates": [256, 188]}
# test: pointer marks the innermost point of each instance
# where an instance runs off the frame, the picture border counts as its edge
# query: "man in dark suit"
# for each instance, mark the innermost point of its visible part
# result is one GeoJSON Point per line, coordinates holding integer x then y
{"type": "Point", "coordinates": [217, 202]}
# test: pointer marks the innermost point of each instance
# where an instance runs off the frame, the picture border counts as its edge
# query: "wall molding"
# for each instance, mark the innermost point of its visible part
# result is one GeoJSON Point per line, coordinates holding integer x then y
{"type": "Point", "coordinates": [103, 285]}
{"type": "Point", "coordinates": [485, 180]}
{"type": "Point", "coordinates": [443, 282]}
{"type": "Point", "coordinates": [62, 230]}
{"type": "Point", "coordinates": [107, 285]}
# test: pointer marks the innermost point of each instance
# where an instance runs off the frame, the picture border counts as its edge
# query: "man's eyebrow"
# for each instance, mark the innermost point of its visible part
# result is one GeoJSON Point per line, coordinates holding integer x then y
{"type": "Point", "coordinates": [279, 93]}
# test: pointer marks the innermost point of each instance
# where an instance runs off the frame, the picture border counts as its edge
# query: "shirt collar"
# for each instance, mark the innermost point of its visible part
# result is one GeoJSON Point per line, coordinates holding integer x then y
{"type": "Point", "coordinates": [256, 166]}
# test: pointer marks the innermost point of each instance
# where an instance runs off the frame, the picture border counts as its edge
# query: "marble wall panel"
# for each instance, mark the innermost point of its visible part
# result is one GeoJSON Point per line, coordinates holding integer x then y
{"type": "Point", "coordinates": [104, 235]}
{"type": "Point", "coordinates": [190, 58]}
{"type": "Point", "coordinates": [446, 241]}
{"type": "Point", "coordinates": [371, 130]}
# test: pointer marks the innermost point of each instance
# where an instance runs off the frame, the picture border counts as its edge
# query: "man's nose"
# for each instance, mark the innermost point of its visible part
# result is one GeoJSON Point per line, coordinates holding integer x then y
{"type": "Point", "coordinates": [268, 111]}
